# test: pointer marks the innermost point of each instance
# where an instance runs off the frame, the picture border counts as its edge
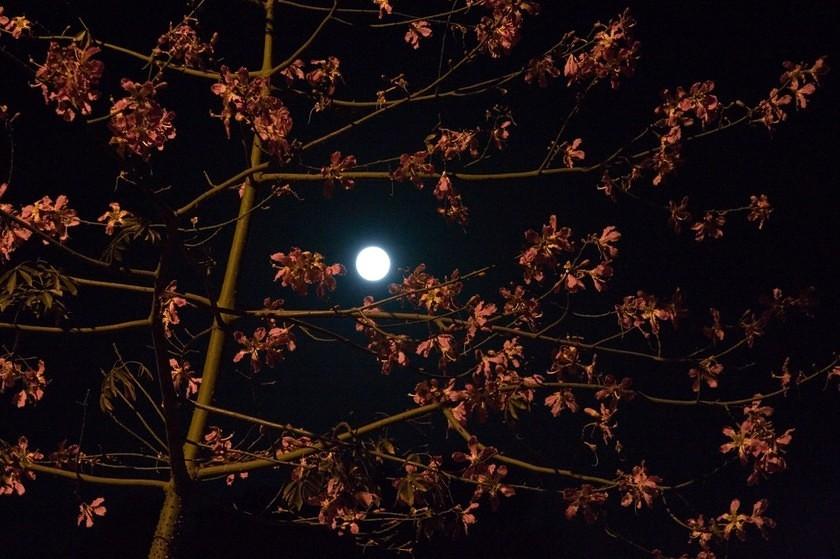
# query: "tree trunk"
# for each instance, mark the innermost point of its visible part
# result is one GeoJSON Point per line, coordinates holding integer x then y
{"type": "Point", "coordinates": [172, 515]}
{"type": "Point", "coordinates": [168, 526]}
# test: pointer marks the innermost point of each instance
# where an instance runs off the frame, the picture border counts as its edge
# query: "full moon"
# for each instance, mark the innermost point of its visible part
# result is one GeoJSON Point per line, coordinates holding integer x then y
{"type": "Point", "coordinates": [373, 263]}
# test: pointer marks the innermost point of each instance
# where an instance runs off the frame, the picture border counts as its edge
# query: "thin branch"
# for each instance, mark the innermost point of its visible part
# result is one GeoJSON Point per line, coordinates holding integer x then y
{"type": "Point", "coordinates": [466, 435]}
{"type": "Point", "coordinates": [100, 329]}
{"type": "Point", "coordinates": [306, 44]}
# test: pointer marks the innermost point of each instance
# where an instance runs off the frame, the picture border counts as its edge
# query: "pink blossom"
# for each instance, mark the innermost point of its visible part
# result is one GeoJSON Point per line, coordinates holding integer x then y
{"type": "Point", "coordinates": [759, 210]}
{"type": "Point", "coordinates": [88, 511]}
{"type": "Point", "coordinates": [639, 487]}
{"type": "Point", "coordinates": [265, 346]}
{"type": "Point", "coordinates": [332, 173]}
{"type": "Point", "coordinates": [322, 78]}
{"type": "Point", "coordinates": [69, 78]}
{"type": "Point", "coordinates": [540, 70]}
{"type": "Point", "coordinates": [545, 247]}
{"type": "Point", "coordinates": [181, 43]}
{"type": "Point", "coordinates": [53, 218]}
{"type": "Point", "coordinates": [384, 7]}
{"type": "Point", "coordinates": [417, 30]}
{"type": "Point", "coordinates": [612, 56]}
{"type": "Point", "coordinates": [247, 100]}
{"type": "Point", "coordinates": [298, 269]}
{"type": "Point", "coordinates": [413, 166]}
{"type": "Point", "coordinates": [425, 290]}
{"type": "Point", "coordinates": [170, 302]}
{"type": "Point", "coordinates": [710, 226]}
{"type": "Point", "coordinates": [183, 377]}
{"type": "Point", "coordinates": [138, 123]}
{"type": "Point", "coordinates": [573, 153]}
{"type": "Point", "coordinates": [13, 462]}
{"type": "Point", "coordinates": [114, 218]}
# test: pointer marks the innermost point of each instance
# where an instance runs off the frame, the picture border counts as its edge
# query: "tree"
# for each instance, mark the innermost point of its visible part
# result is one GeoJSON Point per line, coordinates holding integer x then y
{"type": "Point", "coordinates": [554, 335]}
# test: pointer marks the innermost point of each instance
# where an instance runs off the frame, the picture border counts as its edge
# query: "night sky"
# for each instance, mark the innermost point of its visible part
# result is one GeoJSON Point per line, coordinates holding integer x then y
{"type": "Point", "coordinates": [740, 45]}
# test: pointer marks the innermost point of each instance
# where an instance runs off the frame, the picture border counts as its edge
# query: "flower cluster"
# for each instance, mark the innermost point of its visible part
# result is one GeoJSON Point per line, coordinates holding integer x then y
{"type": "Point", "coordinates": [499, 32]}
{"type": "Point", "coordinates": [572, 153]}
{"type": "Point", "coordinates": [425, 290]}
{"type": "Point", "coordinates": [170, 302]}
{"type": "Point", "coordinates": [183, 377]}
{"type": "Point", "coordinates": [585, 501]}
{"type": "Point", "coordinates": [322, 78]}
{"type": "Point", "coordinates": [138, 123]}
{"type": "Point", "coordinates": [18, 376]}
{"type": "Point", "coordinates": [247, 100]}
{"type": "Point", "coordinates": [114, 218]}
{"type": "Point", "coordinates": [12, 233]}
{"type": "Point", "coordinates": [298, 269]}
{"type": "Point", "coordinates": [88, 510]}
{"type": "Point", "coordinates": [52, 218]}
{"type": "Point", "coordinates": [452, 143]}
{"type": "Point", "coordinates": [612, 56]}
{"type": "Point", "coordinates": [708, 371]}
{"type": "Point", "coordinates": [417, 31]}
{"type": "Point", "coordinates": [264, 347]}
{"type": "Point", "coordinates": [219, 444]}
{"type": "Point", "coordinates": [520, 306]}
{"type": "Point", "coordinates": [384, 7]}
{"type": "Point", "coordinates": [759, 210]}
{"type": "Point", "coordinates": [69, 78]}
{"type": "Point", "coordinates": [420, 487]}
{"type": "Point", "coordinates": [413, 166]}
{"type": "Point", "coordinates": [487, 475]}
{"type": "Point", "coordinates": [756, 440]}
{"type": "Point", "coordinates": [444, 344]}
{"type": "Point", "coordinates": [644, 312]}
{"type": "Point", "coordinates": [541, 70]}
{"type": "Point", "coordinates": [497, 384]}
{"type": "Point", "coordinates": [798, 83]}
{"type": "Point", "coordinates": [735, 522]}
{"type": "Point", "coordinates": [16, 26]}
{"type": "Point", "coordinates": [390, 350]}
{"type": "Point", "coordinates": [711, 226]}
{"type": "Point", "coordinates": [332, 173]}
{"type": "Point", "coordinates": [679, 110]}
{"type": "Point", "coordinates": [13, 471]}
{"type": "Point", "coordinates": [451, 206]}
{"type": "Point", "coordinates": [546, 247]}
{"type": "Point", "coordinates": [332, 481]}
{"type": "Point", "coordinates": [181, 43]}
{"type": "Point", "coordinates": [480, 315]}
{"type": "Point", "coordinates": [639, 487]}
{"type": "Point", "coordinates": [682, 108]}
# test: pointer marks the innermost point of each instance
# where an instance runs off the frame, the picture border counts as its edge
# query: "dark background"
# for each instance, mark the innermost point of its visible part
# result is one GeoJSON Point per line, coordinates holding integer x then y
{"type": "Point", "coordinates": [740, 46]}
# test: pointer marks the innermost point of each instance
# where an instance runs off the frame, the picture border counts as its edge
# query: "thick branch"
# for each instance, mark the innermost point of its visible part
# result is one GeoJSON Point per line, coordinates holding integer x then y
{"type": "Point", "coordinates": [100, 480]}
{"type": "Point", "coordinates": [236, 467]}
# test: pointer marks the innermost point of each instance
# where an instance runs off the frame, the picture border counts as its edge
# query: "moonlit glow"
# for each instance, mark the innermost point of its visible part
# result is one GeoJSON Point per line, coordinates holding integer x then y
{"type": "Point", "coordinates": [373, 263]}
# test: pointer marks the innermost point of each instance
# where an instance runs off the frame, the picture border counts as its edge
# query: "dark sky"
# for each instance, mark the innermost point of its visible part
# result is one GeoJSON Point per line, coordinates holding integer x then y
{"type": "Point", "coordinates": [740, 45]}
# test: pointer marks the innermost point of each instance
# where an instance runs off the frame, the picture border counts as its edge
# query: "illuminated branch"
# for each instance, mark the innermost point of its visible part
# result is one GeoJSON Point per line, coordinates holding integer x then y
{"type": "Point", "coordinates": [100, 480]}
{"type": "Point", "coordinates": [237, 467]}
{"type": "Point", "coordinates": [101, 329]}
